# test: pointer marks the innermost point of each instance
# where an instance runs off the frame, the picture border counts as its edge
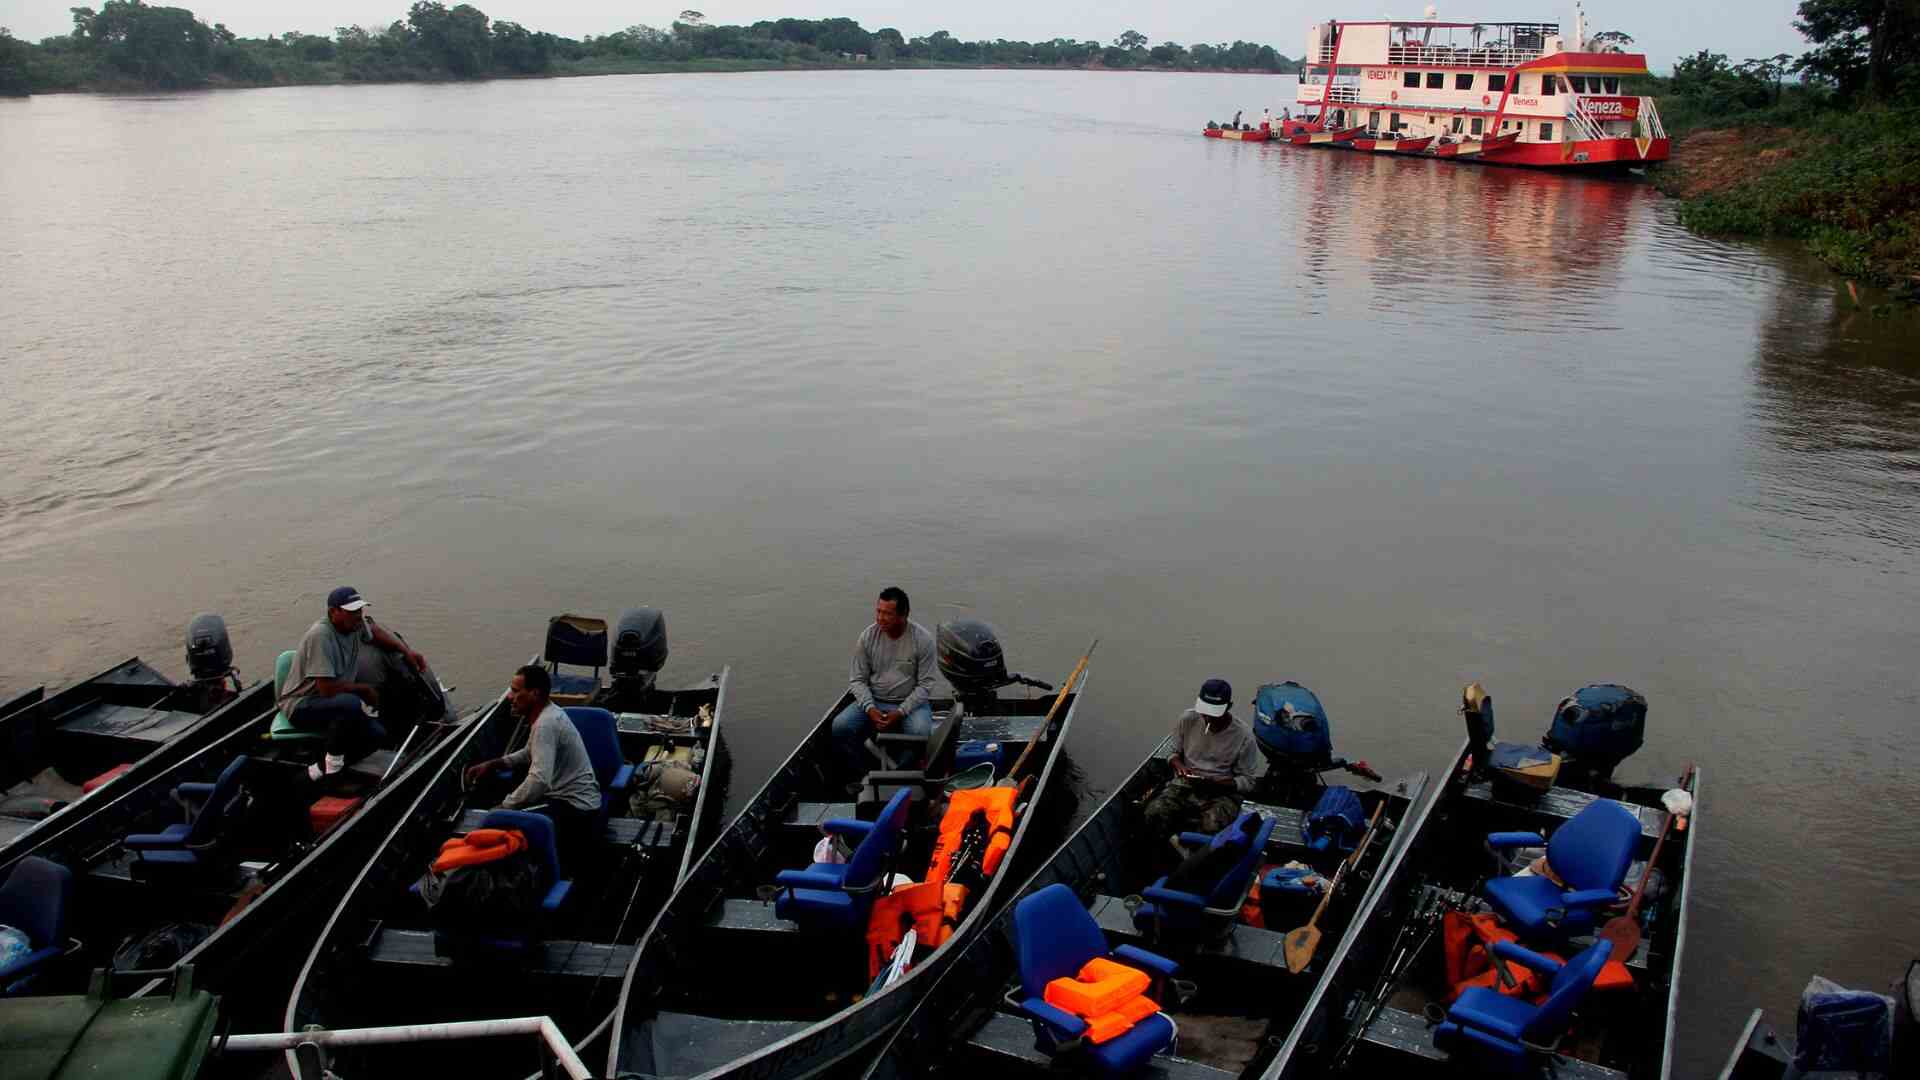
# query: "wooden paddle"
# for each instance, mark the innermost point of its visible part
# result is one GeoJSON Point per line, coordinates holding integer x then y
{"type": "Point", "coordinates": [1624, 930]}
{"type": "Point", "coordinates": [1301, 944]}
{"type": "Point", "coordinates": [1047, 725]}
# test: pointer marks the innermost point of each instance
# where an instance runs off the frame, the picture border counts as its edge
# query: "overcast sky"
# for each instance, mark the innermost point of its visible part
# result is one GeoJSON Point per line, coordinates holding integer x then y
{"type": "Point", "coordinates": [1663, 28]}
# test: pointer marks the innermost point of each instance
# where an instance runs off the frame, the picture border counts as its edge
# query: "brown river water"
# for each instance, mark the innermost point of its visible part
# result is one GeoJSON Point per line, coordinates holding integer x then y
{"type": "Point", "coordinates": [748, 347]}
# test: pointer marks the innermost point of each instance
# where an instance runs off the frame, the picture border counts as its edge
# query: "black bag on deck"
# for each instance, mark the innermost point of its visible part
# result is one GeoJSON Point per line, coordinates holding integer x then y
{"type": "Point", "coordinates": [492, 897]}
{"type": "Point", "coordinates": [161, 947]}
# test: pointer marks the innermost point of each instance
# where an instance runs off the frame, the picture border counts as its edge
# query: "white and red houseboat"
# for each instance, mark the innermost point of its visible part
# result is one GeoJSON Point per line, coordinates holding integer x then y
{"type": "Point", "coordinates": [1505, 93]}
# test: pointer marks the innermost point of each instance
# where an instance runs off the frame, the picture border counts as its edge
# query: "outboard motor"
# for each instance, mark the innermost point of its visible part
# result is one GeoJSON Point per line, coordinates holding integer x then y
{"type": "Point", "coordinates": [1291, 726]}
{"type": "Point", "coordinates": [639, 649]}
{"type": "Point", "coordinates": [973, 663]}
{"type": "Point", "coordinates": [1598, 727]}
{"type": "Point", "coordinates": [210, 661]}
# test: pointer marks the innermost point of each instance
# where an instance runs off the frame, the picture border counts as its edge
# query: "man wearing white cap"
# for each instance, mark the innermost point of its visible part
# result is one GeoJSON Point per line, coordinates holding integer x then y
{"type": "Point", "coordinates": [320, 694]}
{"type": "Point", "coordinates": [1215, 760]}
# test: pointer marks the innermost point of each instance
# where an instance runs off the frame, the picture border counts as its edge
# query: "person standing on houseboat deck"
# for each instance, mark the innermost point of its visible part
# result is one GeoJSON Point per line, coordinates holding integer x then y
{"type": "Point", "coordinates": [320, 692]}
{"type": "Point", "coordinates": [560, 784]}
{"type": "Point", "coordinates": [1266, 119]}
{"type": "Point", "coordinates": [1215, 760]}
{"type": "Point", "coordinates": [891, 681]}
{"type": "Point", "coordinates": [1236, 119]}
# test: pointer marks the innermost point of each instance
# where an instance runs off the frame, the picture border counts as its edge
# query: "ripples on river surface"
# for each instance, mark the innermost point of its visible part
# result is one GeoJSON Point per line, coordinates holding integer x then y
{"type": "Point", "coordinates": [747, 347]}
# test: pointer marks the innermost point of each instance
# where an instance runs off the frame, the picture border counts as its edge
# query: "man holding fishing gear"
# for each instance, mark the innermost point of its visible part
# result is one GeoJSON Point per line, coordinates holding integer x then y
{"type": "Point", "coordinates": [1215, 762]}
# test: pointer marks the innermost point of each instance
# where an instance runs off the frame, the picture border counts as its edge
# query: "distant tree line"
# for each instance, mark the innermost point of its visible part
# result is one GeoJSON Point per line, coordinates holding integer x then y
{"type": "Point", "coordinates": [131, 43]}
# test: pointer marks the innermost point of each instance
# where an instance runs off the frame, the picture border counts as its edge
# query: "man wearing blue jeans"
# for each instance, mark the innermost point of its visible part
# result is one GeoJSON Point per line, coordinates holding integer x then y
{"type": "Point", "coordinates": [892, 682]}
{"type": "Point", "coordinates": [320, 693]}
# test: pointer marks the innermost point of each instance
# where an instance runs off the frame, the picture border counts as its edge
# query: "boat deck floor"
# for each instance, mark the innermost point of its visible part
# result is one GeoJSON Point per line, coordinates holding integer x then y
{"type": "Point", "coordinates": [1006, 1039]}
{"type": "Point", "coordinates": [1406, 1034]}
{"type": "Point", "coordinates": [1564, 803]}
{"type": "Point", "coordinates": [1248, 943]}
{"type": "Point", "coordinates": [621, 832]}
{"type": "Point", "coordinates": [415, 950]}
{"type": "Point", "coordinates": [689, 1043]}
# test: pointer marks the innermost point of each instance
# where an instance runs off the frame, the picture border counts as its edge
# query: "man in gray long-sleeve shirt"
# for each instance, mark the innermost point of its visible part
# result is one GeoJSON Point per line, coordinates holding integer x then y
{"type": "Point", "coordinates": [560, 778]}
{"type": "Point", "coordinates": [891, 682]}
{"type": "Point", "coordinates": [1215, 761]}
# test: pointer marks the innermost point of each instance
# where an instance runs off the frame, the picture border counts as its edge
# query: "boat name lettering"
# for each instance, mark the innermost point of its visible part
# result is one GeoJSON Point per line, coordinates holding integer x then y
{"type": "Point", "coordinates": [1622, 108]}
{"type": "Point", "coordinates": [1376, 73]}
{"type": "Point", "coordinates": [1529, 101]}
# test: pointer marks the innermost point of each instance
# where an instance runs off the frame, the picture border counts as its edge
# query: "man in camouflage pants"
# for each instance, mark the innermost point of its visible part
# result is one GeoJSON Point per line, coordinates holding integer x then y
{"type": "Point", "coordinates": [1215, 760]}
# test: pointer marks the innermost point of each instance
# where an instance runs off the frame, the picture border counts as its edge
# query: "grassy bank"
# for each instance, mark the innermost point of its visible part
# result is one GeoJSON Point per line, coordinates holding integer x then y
{"type": "Point", "coordinates": [1843, 180]}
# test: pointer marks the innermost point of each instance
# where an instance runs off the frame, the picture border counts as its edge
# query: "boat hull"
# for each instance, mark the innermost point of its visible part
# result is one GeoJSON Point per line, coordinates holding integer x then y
{"type": "Point", "coordinates": [962, 1027]}
{"type": "Point", "coordinates": [110, 719]}
{"type": "Point", "coordinates": [746, 855]}
{"type": "Point", "coordinates": [1255, 135]}
{"type": "Point", "coordinates": [1593, 155]}
{"type": "Point", "coordinates": [348, 980]}
{"type": "Point", "coordinates": [1337, 1040]}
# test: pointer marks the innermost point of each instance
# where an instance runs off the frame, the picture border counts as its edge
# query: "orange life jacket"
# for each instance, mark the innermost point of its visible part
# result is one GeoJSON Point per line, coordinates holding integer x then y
{"type": "Point", "coordinates": [479, 846]}
{"type": "Point", "coordinates": [1110, 997]}
{"type": "Point", "coordinates": [1467, 939]}
{"type": "Point", "coordinates": [997, 803]}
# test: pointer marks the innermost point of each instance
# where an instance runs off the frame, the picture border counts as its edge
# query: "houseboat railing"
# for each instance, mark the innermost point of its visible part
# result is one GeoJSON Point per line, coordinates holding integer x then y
{"type": "Point", "coordinates": [310, 1047]}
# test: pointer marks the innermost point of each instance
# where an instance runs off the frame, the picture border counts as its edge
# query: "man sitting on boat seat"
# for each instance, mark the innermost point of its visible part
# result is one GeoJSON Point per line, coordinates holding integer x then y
{"type": "Point", "coordinates": [560, 783]}
{"type": "Point", "coordinates": [891, 683]}
{"type": "Point", "coordinates": [320, 694]}
{"type": "Point", "coordinates": [1215, 760]}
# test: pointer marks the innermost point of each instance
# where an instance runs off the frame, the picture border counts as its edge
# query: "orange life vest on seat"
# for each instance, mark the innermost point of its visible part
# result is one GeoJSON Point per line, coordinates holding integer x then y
{"type": "Point", "coordinates": [1467, 939]}
{"type": "Point", "coordinates": [997, 803]}
{"type": "Point", "coordinates": [1110, 997]}
{"type": "Point", "coordinates": [479, 846]}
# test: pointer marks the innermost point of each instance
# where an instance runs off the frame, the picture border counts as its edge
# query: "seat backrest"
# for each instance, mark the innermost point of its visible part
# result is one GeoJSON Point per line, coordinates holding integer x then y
{"type": "Point", "coordinates": [538, 829]}
{"type": "Point", "coordinates": [281, 667]}
{"type": "Point", "coordinates": [870, 858]}
{"type": "Point", "coordinates": [1595, 847]}
{"type": "Point", "coordinates": [34, 899]}
{"type": "Point", "coordinates": [601, 732]}
{"type": "Point", "coordinates": [212, 816]}
{"type": "Point", "coordinates": [1570, 985]}
{"type": "Point", "coordinates": [580, 640]}
{"type": "Point", "coordinates": [1053, 937]}
{"type": "Point", "coordinates": [1251, 845]}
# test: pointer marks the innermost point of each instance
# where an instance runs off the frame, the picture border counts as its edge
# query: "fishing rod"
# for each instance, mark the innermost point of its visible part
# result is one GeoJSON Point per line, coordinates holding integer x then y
{"type": "Point", "coordinates": [1425, 923]}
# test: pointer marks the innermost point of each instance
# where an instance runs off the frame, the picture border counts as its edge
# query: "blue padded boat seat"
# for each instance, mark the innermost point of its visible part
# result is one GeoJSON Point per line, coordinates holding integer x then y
{"type": "Point", "coordinates": [1056, 938]}
{"type": "Point", "coordinates": [1177, 909]}
{"type": "Point", "coordinates": [283, 729]}
{"type": "Point", "coordinates": [838, 896]}
{"type": "Point", "coordinates": [191, 842]}
{"type": "Point", "coordinates": [34, 900]}
{"type": "Point", "coordinates": [600, 731]}
{"type": "Point", "coordinates": [579, 640]}
{"type": "Point", "coordinates": [1591, 853]}
{"type": "Point", "coordinates": [1495, 1029]}
{"type": "Point", "coordinates": [541, 847]}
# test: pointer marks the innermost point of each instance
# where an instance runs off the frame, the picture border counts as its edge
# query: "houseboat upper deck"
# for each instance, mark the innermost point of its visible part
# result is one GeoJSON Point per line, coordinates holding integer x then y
{"type": "Point", "coordinates": [1515, 93]}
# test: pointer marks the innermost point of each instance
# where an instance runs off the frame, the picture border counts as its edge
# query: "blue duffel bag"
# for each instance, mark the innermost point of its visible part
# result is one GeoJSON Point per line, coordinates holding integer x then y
{"type": "Point", "coordinates": [1336, 822]}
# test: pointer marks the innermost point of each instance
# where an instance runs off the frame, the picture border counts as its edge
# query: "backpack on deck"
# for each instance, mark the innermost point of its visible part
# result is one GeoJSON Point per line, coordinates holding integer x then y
{"type": "Point", "coordinates": [1336, 822]}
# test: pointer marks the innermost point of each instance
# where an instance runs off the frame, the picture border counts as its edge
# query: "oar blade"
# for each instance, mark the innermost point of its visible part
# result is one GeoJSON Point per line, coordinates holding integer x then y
{"type": "Point", "coordinates": [1300, 946]}
{"type": "Point", "coordinates": [1624, 932]}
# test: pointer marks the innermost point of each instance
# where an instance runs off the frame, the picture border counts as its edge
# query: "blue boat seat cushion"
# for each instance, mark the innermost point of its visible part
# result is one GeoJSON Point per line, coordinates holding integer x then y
{"type": "Point", "coordinates": [1488, 1026]}
{"type": "Point", "coordinates": [191, 843]}
{"type": "Point", "coordinates": [34, 899]}
{"type": "Point", "coordinates": [1591, 853]}
{"type": "Point", "coordinates": [600, 731]}
{"type": "Point", "coordinates": [1054, 938]}
{"type": "Point", "coordinates": [1173, 903]}
{"type": "Point", "coordinates": [541, 847]}
{"type": "Point", "coordinates": [838, 896]}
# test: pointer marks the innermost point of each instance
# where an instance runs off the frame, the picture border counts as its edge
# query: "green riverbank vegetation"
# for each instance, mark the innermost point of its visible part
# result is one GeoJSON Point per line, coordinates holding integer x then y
{"type": "Point", "coordinates": [1819, 147]}
{"type": "Point", "coordinates": [130, 45]}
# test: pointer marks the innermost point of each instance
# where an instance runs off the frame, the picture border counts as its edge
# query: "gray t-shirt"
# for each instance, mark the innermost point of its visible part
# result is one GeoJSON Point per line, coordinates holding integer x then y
{"type": "Point", "coordinates": [324, 653]}
{"type": "Point", "coordinates": [897, 671]}
{"type": "Point", "coordinates": [1229, 754]}
{"type": "Point", "coordinates": [558, 768]}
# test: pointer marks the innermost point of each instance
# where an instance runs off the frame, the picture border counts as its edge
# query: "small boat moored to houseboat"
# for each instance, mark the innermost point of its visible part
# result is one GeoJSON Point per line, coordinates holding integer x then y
{"type": "Point", "coordinates": [1255, 134]}
{"type": "Point", "coordinates": [772, 962]}
{"type": "Point", "coordinates": [1536, 923]}
{"type": "Point", "coordinates": [1218, 947]}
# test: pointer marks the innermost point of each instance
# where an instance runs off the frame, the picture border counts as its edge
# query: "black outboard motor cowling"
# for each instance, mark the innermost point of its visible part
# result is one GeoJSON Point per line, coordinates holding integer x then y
{"type": "Point", "coordinates": [639, 647]}
{"type": "Point", "coordinates": [1597, 727]}
{"type": "Point", "coordinates": [970, 657]}
{"type": "Point", "coordinates": [209, 650]}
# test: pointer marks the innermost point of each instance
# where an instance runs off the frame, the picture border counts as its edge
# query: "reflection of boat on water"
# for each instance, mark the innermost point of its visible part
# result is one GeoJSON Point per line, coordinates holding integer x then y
{"type": "Point", "coordinates": [1507, 93]}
